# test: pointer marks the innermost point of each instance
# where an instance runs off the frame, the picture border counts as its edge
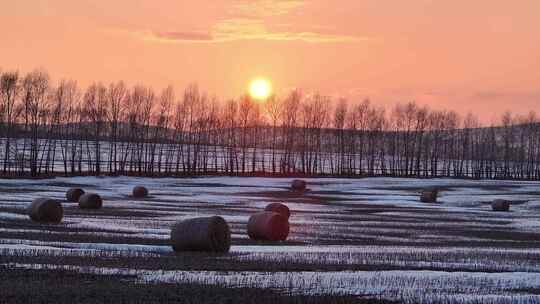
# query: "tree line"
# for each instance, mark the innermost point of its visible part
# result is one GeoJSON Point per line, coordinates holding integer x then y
{"type": "Point", "coordinates": [51, 128]}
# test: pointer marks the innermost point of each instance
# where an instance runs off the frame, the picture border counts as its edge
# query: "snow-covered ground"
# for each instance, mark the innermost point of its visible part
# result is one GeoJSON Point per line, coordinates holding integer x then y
{"type": "Point", "coordinates": [457, 249]}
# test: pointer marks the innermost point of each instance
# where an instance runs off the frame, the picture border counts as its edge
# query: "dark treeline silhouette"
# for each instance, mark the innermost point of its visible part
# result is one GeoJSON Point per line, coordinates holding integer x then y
{"type": "Point", "coordinates": [48, 129]}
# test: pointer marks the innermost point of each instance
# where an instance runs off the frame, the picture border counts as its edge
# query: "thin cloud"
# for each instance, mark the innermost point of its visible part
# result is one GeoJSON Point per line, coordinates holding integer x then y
{"type": "Point", "coordinates": [247, 20]}
{"type": "Point", "coordinates": [499, 94]}
{"type": "Point", "coordinates": [181, 36]}
{"type": "Point", "coordinates": [263, 8]}
{"type": "Point", "coordinates": [488, 94]}
{"type": "Point", "coordinates": [252, 29]}
{"type": "Point", "coordinates": [244, 29]}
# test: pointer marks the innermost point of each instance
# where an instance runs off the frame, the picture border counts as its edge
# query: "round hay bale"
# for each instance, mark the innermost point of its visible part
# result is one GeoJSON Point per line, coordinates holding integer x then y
{"type": "Point", "coordinates": [429, 195]}
{"type": "Point", "coordinates": [46, 210]}
{"type": "Point", "coordinates": [279, 208]}
{"type": "Point", "coordinates": [73, 194]}
{"type": "Point", "coordinates": [90, 201]}
{"type": "Point", "coordinates": [299, 185]}
{"type": "Point", "coordinates": [270, 226]}
{"type": "Point", "coordinates": [500, 205]}
{"type": "Point", "coordinates": [140, 192]}
{"type": "Point", "coordinates": [210, 234]}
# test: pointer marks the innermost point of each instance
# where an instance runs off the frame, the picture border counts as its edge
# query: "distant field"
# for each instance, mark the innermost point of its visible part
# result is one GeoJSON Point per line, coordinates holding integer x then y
{"type": "Point", "coordinates": [351, 240]}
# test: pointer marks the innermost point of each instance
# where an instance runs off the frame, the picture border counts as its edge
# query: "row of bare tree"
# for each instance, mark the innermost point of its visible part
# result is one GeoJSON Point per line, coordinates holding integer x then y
{"type": "Point", "coordinates": [48, 128]}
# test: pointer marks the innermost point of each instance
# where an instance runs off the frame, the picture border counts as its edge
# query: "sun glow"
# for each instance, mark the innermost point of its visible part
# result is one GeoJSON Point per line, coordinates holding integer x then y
{"type": "Point", "coordinates": [260, 89]}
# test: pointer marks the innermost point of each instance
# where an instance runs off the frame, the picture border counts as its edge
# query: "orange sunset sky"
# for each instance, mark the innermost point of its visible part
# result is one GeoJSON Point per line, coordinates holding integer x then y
{"type": "Point", "coordinates": [467, 55]}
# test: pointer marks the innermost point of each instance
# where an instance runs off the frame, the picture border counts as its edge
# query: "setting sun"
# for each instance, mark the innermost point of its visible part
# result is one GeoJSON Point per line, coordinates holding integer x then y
{"type": "Point", "coordinates": [260, 89]}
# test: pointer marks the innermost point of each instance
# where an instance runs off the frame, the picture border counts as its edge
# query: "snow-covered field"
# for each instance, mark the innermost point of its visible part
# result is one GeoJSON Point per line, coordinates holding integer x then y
{"type": "Point", "coordinates": [368, 237]}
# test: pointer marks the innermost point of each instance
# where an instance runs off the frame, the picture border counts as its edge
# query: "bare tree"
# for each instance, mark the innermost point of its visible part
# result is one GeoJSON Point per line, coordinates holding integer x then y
{"type": "Point", "coordinates": [291, 106]}
{"type": "Point", "coordinates": [273, 107]}
{"type": "Point", "coordinates": [116, 95]}
{"type": "Point", "coordinates": [9, 93]}
{"type": "Point", "coordinates": [340, 115]}
{"type": "Point", "coordinates": [35, 88]}
{"type": "Point", "coordinates": [162, 123]}
{"type": "Point", "coordinates": [119, 130]}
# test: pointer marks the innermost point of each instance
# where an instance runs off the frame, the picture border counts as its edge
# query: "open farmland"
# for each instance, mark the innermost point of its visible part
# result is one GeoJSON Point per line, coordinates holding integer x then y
{"type": "Point", "coordinates": [351, 240]}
